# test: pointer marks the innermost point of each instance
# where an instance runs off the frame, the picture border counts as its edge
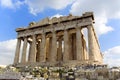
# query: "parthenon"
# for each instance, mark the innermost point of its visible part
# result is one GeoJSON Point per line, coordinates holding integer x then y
{"type": "Point", "coordinates": [58, 40]}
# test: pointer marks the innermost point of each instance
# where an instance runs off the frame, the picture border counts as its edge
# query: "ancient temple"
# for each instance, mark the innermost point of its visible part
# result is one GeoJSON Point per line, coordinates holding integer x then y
{"type": "Point", "coordinates": [58, 41]}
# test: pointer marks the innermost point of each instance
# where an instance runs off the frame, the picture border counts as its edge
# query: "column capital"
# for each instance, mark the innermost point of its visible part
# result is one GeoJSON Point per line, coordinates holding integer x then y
{"type": "Point", "coordinates": [89, 26]}
{"type": "Point", "coordinates": [53, 30]}
{"type": "Point", "coordinates": [19, 38]}
{"type": "Point", "coordinates": [77, 28]}
{"type": "Point", "coordinates": [66, 30]}
{"type": "Point", "coordinates": [25, 37]}
{"type": "Point", "coordinates": [43, 33]}
{"type": "Point", "coordinates": [34, 35]}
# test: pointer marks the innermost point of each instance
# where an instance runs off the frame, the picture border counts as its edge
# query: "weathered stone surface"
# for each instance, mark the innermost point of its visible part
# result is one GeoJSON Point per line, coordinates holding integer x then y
{"type": "Point", "coordinates": [59, 42]}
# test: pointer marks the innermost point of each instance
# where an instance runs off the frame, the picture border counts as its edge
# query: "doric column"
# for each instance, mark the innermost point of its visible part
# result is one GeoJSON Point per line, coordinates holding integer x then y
{"type": "Point", "coordinates": [79, 49]}
{"type": "Point", "coordinates": [47, 48]}
{"type": "Point", "coordinates": [66, 46]}
{"type": "Point", "coordinates": [33, 49]}
{"type": "Point", "coordinates": [24, 50]}
{"type": "Point", "coordinates": [42, 49]}
{"type": "Point", "coordinates": [53, 48]}
{"type": "Point", "coordinates": [74, 47]}
{"type": "Point", "coordinates": [85, 49]}
{"type": "Point", "coordinates": [91, 43]}
{"type": "Point", "coordinates": [70, 47]}
{"type": "Point", "coordinates": [59, 49]}
{"type": "Point", "coordinates": [17, 52]}
{"type": "Point", "coordinates": [38, 51]}
{"type": "Point", "coordinates": [50, 48]}
{"type": "Point", "coordinates": [30, 54]}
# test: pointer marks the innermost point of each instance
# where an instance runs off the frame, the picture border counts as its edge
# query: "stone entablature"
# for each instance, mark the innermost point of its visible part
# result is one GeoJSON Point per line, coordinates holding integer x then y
{"type": "Point", "coordinates": [55, 20]}
{"type": "Point", "coordinates": [38, 28]}
{"type": "Point", "coordinates": [59, 40]}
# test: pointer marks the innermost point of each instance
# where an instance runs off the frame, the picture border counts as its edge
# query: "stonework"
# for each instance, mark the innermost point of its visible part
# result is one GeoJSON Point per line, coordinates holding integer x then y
{"type": "Point", "coordinates": [58, 42]}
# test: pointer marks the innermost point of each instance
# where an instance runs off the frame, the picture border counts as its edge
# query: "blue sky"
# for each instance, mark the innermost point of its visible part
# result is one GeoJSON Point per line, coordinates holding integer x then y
{"type": "Point", "coordinates": [19, 13]}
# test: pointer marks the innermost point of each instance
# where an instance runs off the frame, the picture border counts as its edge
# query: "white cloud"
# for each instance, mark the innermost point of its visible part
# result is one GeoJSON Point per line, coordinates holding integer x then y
{"type": "Point", "coordinates": [103, 10]}
{"type": "Point", "coordinates": [56, 15]}
{"type": "Point", "coordinates": [100, 25]}
{"type": "Point", "coordinates": [112, 56]}
{"type": "Point", "coordinates": [7, 51]}
{"type": "Point", "coordinates": [110, 8]}
{"type": "Point", "coordinates": [37, 6]}
{"type": "Point", "coordinates": [6, 3]}
{"type": "Point", "coordinates": [13, 4]}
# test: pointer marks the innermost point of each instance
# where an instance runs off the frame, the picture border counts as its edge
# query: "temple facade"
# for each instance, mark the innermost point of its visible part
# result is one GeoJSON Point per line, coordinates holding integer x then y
{"type": "Point", "coordinates": [58, 41]}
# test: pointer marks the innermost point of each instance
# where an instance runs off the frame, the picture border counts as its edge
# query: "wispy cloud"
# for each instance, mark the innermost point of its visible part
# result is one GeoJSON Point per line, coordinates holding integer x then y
{"type": "Point", "coordinates": [37, 6]}
{"type": "Point", "coordinates": [11, 4]}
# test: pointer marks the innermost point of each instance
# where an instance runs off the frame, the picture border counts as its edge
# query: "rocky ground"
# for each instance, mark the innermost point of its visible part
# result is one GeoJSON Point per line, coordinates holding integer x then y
{"type": "Point", "coordinates": [61, 73]}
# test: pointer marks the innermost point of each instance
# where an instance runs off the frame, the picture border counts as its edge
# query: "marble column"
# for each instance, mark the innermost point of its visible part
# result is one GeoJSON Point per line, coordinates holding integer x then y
{"type": "Point", "coordinates": [54, 48]}
{"type": "Point", "coordinates": [74, 46]}
{"type": "Point", "coordinates": [17, 52]}
{"type": "Point", "coordinates": [42, 49]}
{"type": "Point", "coordinates": [24, 51]}
{"type": "Point", "coordinates": [48, 49]}
{"type": "Point", "coordinates": [30, 54]}
{"type": "Point", "coordinates": [91, 43]}
{"type": "Point", "coordinates": [79, 49]}
{"type": "Point", "coordinates": [71, 55]}
{"type": "Point", "coordinates": [85, 49]}
{"type": "Point", "coordinates": [59, 49]}
{"type": "Point", "coordinates": [33, 49]}
{"type": "Point", "coordinates": [38, 51]}
{"type": "Point", "coordinates": [66, 46]}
